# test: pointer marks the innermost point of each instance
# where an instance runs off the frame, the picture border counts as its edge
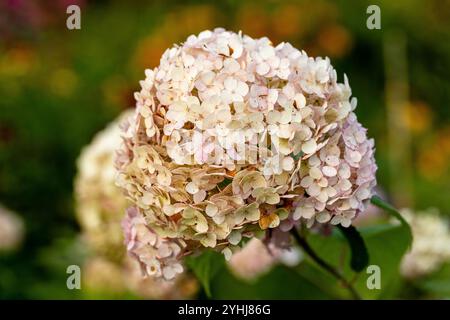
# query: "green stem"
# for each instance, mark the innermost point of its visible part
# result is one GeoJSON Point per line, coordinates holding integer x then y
{"type": "Point", "coordinates": [313, 255]}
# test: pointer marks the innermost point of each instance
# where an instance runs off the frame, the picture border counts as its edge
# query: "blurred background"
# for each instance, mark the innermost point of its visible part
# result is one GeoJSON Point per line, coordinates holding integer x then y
{"type": "Point", "coordinates": [60, 87]}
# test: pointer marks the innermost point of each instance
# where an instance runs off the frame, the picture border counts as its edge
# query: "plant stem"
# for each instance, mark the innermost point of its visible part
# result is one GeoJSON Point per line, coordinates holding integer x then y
{"type": "Point", "coordinates": [308, 250]}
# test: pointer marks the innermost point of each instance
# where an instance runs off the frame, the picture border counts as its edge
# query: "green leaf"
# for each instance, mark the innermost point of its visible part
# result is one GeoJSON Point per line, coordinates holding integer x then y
{"type": "Point", "coordinates": [205, 267]}
{"type": "Point", "coordinates": [269, 286]}
{"type": "Point", "coordinates": [297, 156]}
{"type": "Point", "coordinates": [224, 183]}
{"type": "Point", "coordinates": [386, 245]}
{"type": "Point", "coordinates": [220, 283]}
{"type": "Point", "coordinates": [377, 201]}
{"type": "Point", "coordinates": [360, 257]}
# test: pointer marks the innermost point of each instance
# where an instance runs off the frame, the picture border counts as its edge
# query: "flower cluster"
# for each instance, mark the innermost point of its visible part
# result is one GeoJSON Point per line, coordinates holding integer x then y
{"type": "Point", "coordinates": [430, 248]}
{"type": "Point", "coordinates": [339, 178]}
{"type": "Point", "coordinates": [100, 206]}
{"type": "Point", "coordinates": [156, 255]}
{"type": "Point", "coordinates": [232, 136]}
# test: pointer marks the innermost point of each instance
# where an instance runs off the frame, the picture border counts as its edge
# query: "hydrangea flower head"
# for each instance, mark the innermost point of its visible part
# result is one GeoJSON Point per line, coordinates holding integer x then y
{"type": "Point", "coordinates": [232, 137]}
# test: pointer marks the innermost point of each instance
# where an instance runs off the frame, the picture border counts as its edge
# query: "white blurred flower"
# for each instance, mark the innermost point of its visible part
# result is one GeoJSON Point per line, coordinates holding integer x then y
{"type": "Point", "coordinates": [100, 204]}
{"type": "Point", "coordinates": [11, 230]}
{"type": "Point", "coordinates": [431, 243]}
{"type": "Point", "coordinates": [255, 259]}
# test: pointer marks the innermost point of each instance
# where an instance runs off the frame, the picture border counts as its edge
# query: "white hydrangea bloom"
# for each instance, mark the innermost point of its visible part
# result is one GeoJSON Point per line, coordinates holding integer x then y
{"type": "Point", "coordinates": [232, 136]}
{"type": "Point", "coordinates": [431, 243]}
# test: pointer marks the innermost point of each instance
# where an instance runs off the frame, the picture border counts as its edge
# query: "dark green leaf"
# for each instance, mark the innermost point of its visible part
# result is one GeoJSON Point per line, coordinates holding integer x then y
{"type": "Point", "coordinates": [386, 245]}
{"type": "Point", "coordinates": [297, 156]}
{"type": "Point", "coordinates": [205, 267]}
{"type": "Point", "coordinates": [377, 201]}
{"type": "Point", "coordinates": [224, 183]}
{"type": "Point", "coordinates": [269, 286]}
{"type": "Point", "coordinates": [360, 257]}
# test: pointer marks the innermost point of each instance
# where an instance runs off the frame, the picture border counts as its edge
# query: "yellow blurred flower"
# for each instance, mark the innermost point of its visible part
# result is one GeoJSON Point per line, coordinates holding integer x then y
{"type": "Point", "coordinates": [418, 116]}
{"type": "Point", "coordinates": [433, 161]}
{"type": "Point", "coordinates": [253, 20]}
{"type": "Point", "coordinates": [334, 41]}
{"type": "Point", "coordinates": [187, 20]}
{"type": "Point", "coordinates": [286, 22]}
{"type": "Point", "coordinates": [17, 61]}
